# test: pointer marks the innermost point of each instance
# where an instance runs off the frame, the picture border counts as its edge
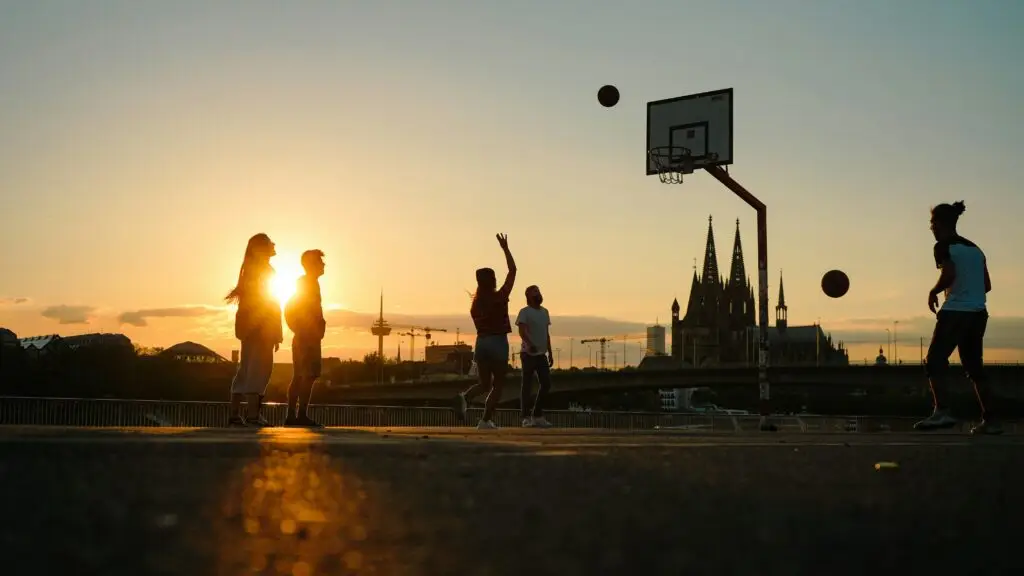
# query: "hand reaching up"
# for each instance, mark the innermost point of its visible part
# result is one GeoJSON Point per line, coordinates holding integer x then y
{"type": "Point", "coordinates": [503, 241]}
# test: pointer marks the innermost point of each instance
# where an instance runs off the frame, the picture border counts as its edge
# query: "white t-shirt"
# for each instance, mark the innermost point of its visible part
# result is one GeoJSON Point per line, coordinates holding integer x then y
{"type": "Point", "coordinates": [536, 321]}
{"type": "Point", "coordinates": [967, 294]}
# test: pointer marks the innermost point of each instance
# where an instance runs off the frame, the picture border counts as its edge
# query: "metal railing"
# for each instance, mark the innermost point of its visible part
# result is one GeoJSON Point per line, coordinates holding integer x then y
{"type": "Point", "coordinates": [88, 412]}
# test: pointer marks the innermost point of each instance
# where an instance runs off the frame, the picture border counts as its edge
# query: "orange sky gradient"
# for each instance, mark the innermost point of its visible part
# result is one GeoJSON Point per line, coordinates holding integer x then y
{"type": "Point", "coordinates": [142, 144]}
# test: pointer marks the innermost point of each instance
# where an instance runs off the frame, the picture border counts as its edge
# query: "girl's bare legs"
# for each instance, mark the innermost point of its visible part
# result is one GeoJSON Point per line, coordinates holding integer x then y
{"type": "Point", "coordinates": [494, 395]}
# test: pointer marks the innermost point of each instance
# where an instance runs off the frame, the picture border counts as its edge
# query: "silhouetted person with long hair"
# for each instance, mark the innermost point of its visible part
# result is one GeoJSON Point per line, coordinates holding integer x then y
{"type": "Point", "coordinates": [258, 326]}
{"type": "Point", "coordinates": [305, 317]}
{"type": "Point", "coordinates": [490, 316]}
{"type": "Point", "coordinates": [960, 322]}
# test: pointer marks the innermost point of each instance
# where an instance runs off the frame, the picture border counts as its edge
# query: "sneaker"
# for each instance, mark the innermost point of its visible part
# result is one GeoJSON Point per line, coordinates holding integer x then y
{"type": "Point", "coordinates": [305, 421]}
{"type": "Point", "coordinates": [541, 422]}
{"type": "Point", "coordinates": [986, 427]}
{"type": "Point", "coordinates": [236, 422]}
{"type": "Point", "coordinates": [486, 425]}
{"type": "Point", "coordinates": [461, 406]}
{"type": "Point", "coordinates": [939, 419]}
{"type": "Point", "coordinates": [528, 423]}
{"type": "Point", "coordinates": [257, 422]}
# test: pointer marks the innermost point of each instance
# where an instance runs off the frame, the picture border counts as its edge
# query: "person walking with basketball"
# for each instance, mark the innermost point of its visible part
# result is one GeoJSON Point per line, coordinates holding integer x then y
{"type": "Point", "coordinates": [534, 324]}
{"type": "Point", "coordinates": [305, 317]}
{"type": "Point", "coordinates": [490, 316]}
{"type": "Point", "coordinates": [960, 321]}
{"type": "Point", "coordinates": [258, 327]}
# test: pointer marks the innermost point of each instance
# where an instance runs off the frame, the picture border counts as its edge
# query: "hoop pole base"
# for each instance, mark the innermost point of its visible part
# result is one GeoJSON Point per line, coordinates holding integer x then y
{"type": "Point", "coordinates": [763, 385]}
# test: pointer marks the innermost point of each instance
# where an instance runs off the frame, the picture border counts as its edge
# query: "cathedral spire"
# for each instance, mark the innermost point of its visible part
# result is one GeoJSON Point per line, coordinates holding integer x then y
{"type": "Point", "coordinates": [781, 311]}
{"type": "Point", "coordinates": [782, 292]}
{"type": "Point", "coordinates": [738, 272]}
{"type": "Point", "coordinates": [710, 274]}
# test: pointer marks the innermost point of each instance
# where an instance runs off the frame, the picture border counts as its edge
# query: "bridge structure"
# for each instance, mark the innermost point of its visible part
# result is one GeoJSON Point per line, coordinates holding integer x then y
{"type": "Point", "coordinates": [1008, 380]}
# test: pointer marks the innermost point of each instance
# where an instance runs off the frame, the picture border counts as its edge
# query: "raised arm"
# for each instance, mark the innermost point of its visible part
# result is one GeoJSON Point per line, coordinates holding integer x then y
{"type": "Point", "coordinates": [510, 278]}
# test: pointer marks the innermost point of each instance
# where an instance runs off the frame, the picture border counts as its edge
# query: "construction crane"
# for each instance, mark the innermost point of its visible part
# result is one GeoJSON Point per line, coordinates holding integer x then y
{"type": "Point", "coordinates": [412, 336]}
{"type": "Point", "coordinates": [603, 343]}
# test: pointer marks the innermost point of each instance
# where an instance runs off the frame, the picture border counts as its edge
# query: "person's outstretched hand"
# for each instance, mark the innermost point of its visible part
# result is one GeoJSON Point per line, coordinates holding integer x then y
{"type": "Point", "coordinates": [503, 241]}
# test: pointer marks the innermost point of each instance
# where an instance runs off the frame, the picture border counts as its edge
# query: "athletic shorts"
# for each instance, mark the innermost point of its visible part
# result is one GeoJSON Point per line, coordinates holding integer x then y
{"type": "Point", "coordinates": [306, 358]}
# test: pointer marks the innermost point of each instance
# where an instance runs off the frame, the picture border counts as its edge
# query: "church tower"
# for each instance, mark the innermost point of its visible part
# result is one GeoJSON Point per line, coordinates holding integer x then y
{"type": "Point", "coordinates": [677, 331]}
{"type": "Point", "coordinates": [781, 312]}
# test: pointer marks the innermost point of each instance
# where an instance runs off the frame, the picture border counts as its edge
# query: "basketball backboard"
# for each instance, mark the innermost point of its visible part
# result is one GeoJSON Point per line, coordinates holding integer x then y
{"type": "Point", "coordinates": [701, 123]}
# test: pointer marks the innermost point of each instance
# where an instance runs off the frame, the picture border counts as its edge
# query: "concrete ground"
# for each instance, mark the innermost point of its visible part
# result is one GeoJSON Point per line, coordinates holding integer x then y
{"type": "Point", "coordinates": [458, 501]}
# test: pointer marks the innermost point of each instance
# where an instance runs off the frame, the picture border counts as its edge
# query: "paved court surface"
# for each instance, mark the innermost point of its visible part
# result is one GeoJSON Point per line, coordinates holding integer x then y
{"type": "Point", "coordinates": [453, 501]}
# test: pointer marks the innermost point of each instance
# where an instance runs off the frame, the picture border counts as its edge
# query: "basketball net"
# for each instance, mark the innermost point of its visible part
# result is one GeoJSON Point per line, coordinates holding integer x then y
{"type": "Point", "coordinates": [671, 162]}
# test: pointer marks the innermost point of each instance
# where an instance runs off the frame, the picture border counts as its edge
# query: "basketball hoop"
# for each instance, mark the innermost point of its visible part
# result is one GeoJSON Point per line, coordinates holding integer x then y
{"type": "Point", "coordinates": [671, 162]}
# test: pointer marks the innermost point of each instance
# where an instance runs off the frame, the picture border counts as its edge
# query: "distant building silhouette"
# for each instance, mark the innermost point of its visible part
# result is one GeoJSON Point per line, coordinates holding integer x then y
{"type": "Point", "coordinates": [442, 353]}
{"type": "Point", "coordinates": [96, 340]}
{"type": "Point", "coordinates": [881, 360]}
{"type": "Point", "coordinates": [193, 353]}
{"type": "Point", "coordinates": [719, 325]}
{"type": "Point", "coordinates": [655, 341]}
{"type": "Point", "coordinates": [43, 346]}
{"type": "Point", "coordinates": [53, 344]}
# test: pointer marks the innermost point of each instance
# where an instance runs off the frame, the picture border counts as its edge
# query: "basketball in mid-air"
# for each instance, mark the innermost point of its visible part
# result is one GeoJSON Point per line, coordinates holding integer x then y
{"type": "Point", "coordinates": [835, 283]}
{"type": "Point", "coordinates": [608, 95]}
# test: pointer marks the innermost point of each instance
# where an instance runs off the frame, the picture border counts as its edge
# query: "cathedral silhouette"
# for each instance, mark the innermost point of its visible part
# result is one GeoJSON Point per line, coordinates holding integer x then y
{"type": "Point", "coordinates": [719, 326]}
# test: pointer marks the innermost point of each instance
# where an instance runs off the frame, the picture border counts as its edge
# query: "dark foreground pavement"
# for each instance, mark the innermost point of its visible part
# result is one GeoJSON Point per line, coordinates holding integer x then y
{"type": "Point", "coordinates": [405, 501]}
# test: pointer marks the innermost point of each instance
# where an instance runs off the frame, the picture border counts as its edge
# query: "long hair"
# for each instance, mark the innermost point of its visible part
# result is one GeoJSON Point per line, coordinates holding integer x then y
{"type": "Point", "coordinates": [253, 269]}
{"type": "Point", "coordinates": [486, 287]}
{"type": "Point", "coordinates": [948, 214]}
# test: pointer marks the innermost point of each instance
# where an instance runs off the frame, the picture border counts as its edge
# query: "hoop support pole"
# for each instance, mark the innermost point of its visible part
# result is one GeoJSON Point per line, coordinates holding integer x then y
{"type": "Point", "coordinates": [764, 389]}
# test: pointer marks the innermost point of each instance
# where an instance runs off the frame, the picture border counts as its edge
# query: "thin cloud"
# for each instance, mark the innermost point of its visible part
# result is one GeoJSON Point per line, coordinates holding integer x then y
{"type": "Point", "coordinates": [139, 317]}
{"type": "Point", "coordinates": [65, 314]}
{"type": "Point", "coordinates": [1005, 332]}
{"type": "Point", "coordinates": [13, 301]}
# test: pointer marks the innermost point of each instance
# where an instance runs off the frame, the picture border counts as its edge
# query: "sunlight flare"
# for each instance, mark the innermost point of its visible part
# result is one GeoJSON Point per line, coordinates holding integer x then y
{"type": "Point", "coordinates": [288, 272]}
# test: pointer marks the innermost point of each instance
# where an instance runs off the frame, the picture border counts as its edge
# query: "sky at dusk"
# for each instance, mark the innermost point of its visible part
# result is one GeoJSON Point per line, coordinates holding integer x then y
{"type": "Point", "coordinates": [142, 144]}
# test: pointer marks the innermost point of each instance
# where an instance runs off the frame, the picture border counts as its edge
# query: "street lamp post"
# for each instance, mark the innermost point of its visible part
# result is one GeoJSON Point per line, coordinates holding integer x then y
{"type": "Point", "coordinates": [888, 344]}
{"type": "Point", "coordinates": [895, 340]}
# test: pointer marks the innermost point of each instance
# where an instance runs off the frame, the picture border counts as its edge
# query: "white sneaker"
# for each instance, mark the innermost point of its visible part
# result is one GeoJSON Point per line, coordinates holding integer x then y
{"type": "Point", "coordinates": [528, 423]}
{"type": "Point", "coordinates": [542, 422]}
{"type": "Point", "coordinates": [938, 420]}
{"type": "Point", "coordinates": [486, 425]}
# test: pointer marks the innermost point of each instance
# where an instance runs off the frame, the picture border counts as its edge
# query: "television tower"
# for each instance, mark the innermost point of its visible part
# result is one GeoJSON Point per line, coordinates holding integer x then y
{"type": "Point", "coordinates": [380, 329]}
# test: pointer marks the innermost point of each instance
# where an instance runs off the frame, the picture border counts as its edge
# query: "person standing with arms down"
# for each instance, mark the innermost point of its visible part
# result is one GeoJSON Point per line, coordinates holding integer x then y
{"type": "Point", "coordinates": [258, 327]}
{"type": "Point", "coordinates": [490, 316]}
{"type": "Point", "coordinates": [534, 324]}
{"type": "Point", "coordinates": [960, 322]}
{"type": "Point", "coordinates": [304, 314]}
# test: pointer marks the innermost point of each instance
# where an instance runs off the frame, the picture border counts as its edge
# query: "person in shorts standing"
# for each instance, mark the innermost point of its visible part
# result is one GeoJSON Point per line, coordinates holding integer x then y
{"type": "Point", "coordinates": [490, 317]}
{"type": "Point", "coordinates": [960, 322]}
{"type": "Point", "coordinates": [305, 317]}
{"type": "Point", "coordinates": [534, 324]}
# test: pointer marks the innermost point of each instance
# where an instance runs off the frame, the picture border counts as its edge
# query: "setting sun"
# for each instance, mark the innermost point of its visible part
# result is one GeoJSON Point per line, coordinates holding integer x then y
{"type": "Point", "coordinates": [288, 271]}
